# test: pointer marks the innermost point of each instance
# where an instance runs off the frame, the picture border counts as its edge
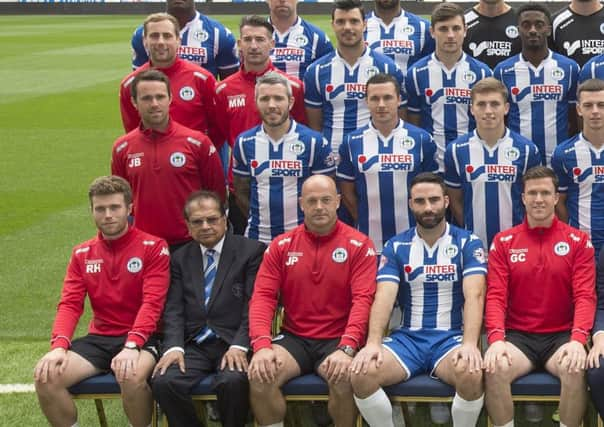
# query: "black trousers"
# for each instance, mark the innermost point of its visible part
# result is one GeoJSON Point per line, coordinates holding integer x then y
{"type": "Point", "coordinates": [595, 379]}
{"type": "Point", "coordinates": [173, 389]}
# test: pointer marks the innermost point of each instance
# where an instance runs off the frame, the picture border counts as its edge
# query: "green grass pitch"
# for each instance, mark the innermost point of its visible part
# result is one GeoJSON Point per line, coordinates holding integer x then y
{"type": "Point", "coordinates": [59, 116]}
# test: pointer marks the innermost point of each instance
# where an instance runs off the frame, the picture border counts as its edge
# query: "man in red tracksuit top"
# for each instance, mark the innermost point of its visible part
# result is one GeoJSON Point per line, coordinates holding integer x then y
{"type": "Point", "coordinates": [125, 274]}
{"type": "Point", "coordinates": [164, 162]}
{"type": "Point", "coordinates": [192, 86]}
{"type": "Point", "coordinates": [323, 274]}
{"type": "Point", "coordinates": [236, 109]}
{"type": "Point", "coordinates": [540, 303]}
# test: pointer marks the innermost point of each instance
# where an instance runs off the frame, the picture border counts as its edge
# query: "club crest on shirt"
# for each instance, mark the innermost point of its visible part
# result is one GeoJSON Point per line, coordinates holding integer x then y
{"type": "Point", "coordinates": [407, 143]}
{"type": "Point", "coordinates": [201, 35]}
{"type": "Point", "coordinates": [301, 40]}
{"type": "Point", "coordinates": [297, 147]}
{"type": "Point", "coordinates": [511, 31]}
{"type": "Point", "coordinates": [186, 93]}
{"type": "Point", "coordinates": [178, 159]}
{"type": "Point", "coordinates": [339, 255]}
{"type": "Point", "coordinates": [558, 73]}
{"type": "Point", "coordinates": [450, 250]}
{"type": "Point", "coordinates": [561, 248]}
{"type": "Point", "coordinates": [511, 153]}
{"type": "Point", "coordinates": [134, 265]}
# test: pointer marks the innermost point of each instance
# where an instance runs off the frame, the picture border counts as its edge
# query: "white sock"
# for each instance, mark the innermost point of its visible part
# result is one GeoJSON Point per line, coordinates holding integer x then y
{"type": "Point", "coordinates": [562, 424]}
{"type": "Point", "coordinates": [510, 424]}
{"type": "Point", "coordinates": [280, 424]}
{"type": "Point", "coordinates": [466, 412]}
{"type": "Point", "coordinates": [76, 424]}
{"type": "Point", "coordinates": [376, 409]}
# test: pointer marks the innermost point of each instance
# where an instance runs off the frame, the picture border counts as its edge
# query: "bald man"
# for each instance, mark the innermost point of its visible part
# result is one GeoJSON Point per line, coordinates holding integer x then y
{"type": "Point", "coordinates": [336, 264]}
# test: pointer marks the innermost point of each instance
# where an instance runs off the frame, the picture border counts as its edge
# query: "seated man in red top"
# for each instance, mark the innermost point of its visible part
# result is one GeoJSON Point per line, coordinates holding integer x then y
{"type": "Point", "coordinates": [323, 274]}
{"type": "Point", "coordinates": [125, 274]}
{"type": "Point", "coordinates": [540, 303]}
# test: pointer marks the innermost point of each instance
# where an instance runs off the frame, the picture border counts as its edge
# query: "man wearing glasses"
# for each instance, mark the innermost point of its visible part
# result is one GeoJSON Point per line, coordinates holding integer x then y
{"type": "Point", "coordinates": [205, 321]}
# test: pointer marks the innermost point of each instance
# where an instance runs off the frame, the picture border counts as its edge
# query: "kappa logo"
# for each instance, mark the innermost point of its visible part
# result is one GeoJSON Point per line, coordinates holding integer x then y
{"type": "Point", "coordinates": [186, 93]}
{"type": "Point", "coordinates": [370, 252]}
{"type": "Point", "coordinates": [164, 252]}
{"type": "Point", "coordinates": [178, 159]}
{"type": "Point", "coordinates": [339, 255]}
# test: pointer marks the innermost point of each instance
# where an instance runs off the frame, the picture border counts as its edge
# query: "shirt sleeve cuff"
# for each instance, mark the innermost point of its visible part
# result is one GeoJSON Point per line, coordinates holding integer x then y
{"type": "Point", "coordinates": [240, 347]}
{"type": "Point", "coordinates": [495, 335]}
{"type": "Point", "coordinates": [60, 342]}
{"type": "Point", "coordinates": [139, 339]}
{"type": "Point", "coordinates": [261, 342]}
{"type": "Point", "coordinates": [348, 340]}
{"type": "Point", "coordinates": [172, 349]}
{"type": "Point", "coordinates": [578, 336]}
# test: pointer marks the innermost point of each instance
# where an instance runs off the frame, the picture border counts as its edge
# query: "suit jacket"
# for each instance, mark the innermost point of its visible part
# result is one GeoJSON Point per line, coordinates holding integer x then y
{"type": "Point", "coordinates": [227, 313]}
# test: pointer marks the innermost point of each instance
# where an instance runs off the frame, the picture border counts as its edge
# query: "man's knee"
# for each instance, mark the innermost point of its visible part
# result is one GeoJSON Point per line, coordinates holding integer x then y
{"type": "Point", "coordinates": [463, 375]}
{"type": "Point", "coordinates": [595, 377]}
{"type": "Point", "coordinates": [231, 380]}
{"type": "Point", "coordinates": [501, 375]}
{"type": "Point", "coordinates": [166, 385]}
{"type": "Point", "coordinates": [361, 380]}
{"type": "Point", "coordinates": [572, 379]}
{"type": "Point", "coordinates": [134, 385]}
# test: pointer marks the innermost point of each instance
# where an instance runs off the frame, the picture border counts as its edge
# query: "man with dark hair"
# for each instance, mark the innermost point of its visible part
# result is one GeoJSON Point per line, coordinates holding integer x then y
{"type": "Point", "coordinates": [235, 101]}
{"type": "Point", "coordinates": [436, 271]}
{"type": "Point", "coordinates": [439, 85]}
{"type": "Point", "coordinates": [541, 84]}
{"type": "Point", "coordinates": [484, 168]}
{"type": "Point", "coordinates": [163, 161]}
{"type": "Point", "coordinates": [379, 160]}
{"type": "Point", "coordinates": [203, 40]}
{"type": "Point", "coordinates": [191, 86]}
{"type": "Point", "coordinates": [400, 35]}
{"type": "Point", "coordinates": [272, 160]}
{"type": "Point", "coordinates": [335, 83]}
{"type": "Point", "coordinates": [124, 272]}
{"type": "Point", "coordinates": [492, 34]}
{"type": "Point", "coordinates": [578, 30]}
{"type": "Point", "coordinates": [205, 322]}
{"type": "Point", "coordinates": [539, 324]}
{"type": "Point", "coordinates": [323, 273]}
{"type": "Point", "coordinates": [581, 170]}
{"type": "Point", "coordinates": [298, 43]}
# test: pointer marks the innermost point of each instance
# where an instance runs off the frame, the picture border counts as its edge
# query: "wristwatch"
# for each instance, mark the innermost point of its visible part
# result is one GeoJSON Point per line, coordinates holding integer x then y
{"type": "Point", "coordinates": [348, 350]}
{"type": "Point", "coordinates": [131, 345]}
